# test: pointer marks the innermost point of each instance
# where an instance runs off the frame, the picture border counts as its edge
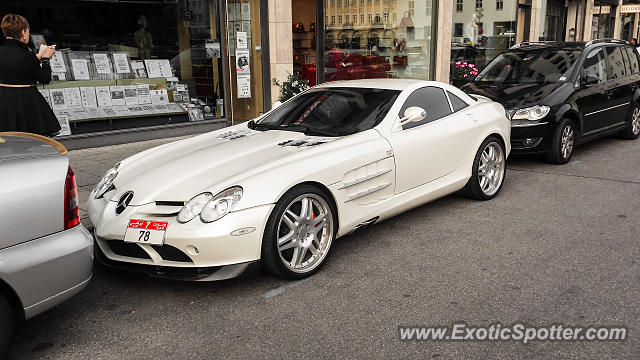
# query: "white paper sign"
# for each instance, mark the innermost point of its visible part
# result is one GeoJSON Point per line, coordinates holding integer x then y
{"type": "Point", "coordinates": [88, 95]}
{"type": "Point", "coordinates": [121, 63]}
{"type": "Point", "coordinates": [103, 65]}
{"type": "Point", "coordinates": [158, 68]}
{"type": "Point", "coordinates": [103, 95]}
{"type": "Point", "coordinates": [246, 11]}
{"type": "Point", "coordinates": [65, 129]}
{"type": "Point", "coordinates": [144, 97]}
{"type": "Point", "coordinates": [57, 99]}
{"type": "Point", "coordinates": [159, 97]}
{"type": "Point", "coordinates": [244, 86]}
{"type": "Point", "coordinates": [130, 95]}
{"type": "Point", "coordinates": [139, 71]}
{"type": "Point", "coordinates": [117, 95]}
{"type": "Point", "coordinates": [242, 61]}
{"type": "Point", "coordinates": [72, 97]}
{"type": "Point", "coordinates": [80, 69]}
{"type": "Point", "coordinates": [241, 40]}
{"type": "Point", "coordinates": [57, 63]}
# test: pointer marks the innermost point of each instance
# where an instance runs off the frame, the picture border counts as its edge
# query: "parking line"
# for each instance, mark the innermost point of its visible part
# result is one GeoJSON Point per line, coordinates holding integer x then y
{"type": "Point", "coordinates": [277, 291]}
{"type": "Point", "coordinates": [475, 205]}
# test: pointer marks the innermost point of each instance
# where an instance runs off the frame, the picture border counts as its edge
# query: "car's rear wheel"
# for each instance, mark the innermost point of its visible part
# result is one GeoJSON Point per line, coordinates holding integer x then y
{"type": "Point", "coordinates": [488, 172]}
{"type": "Point", "coordinates": [632, 130]}
{"type": "Point", "coordinates": [563, 143]}
{"type": "Point", "coordinates": [7, 321]}
{"type": "Point", "coordinates": [299, 233]}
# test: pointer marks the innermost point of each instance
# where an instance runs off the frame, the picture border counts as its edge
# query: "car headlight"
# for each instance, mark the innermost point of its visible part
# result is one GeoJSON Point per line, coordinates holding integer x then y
{"type": "Point", "coordinates": [193, 207]}
{"type": "Point", "coordinates": [221, 204]}
{"type": "Point", "coordinates": [532, 113]}
{"type": "Point", "coordinates": [106, 182]}
{"type": "Point", "coordinates": [209, 207]}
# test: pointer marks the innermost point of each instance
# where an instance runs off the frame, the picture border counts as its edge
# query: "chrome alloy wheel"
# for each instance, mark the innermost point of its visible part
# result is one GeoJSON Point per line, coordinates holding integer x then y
{"type": "Point", "coordinates": [635, 121]}
{"type": "Point", "coordinates": [305, 233]}
{"type": "Point", "coordinates": [566, 143]}
{"type": "Point", "coordinates": [491, 168]}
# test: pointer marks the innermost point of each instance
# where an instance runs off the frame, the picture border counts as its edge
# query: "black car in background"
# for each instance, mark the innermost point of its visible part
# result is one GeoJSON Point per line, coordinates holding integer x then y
{"type": "Point", "coordinates": [558, 95]}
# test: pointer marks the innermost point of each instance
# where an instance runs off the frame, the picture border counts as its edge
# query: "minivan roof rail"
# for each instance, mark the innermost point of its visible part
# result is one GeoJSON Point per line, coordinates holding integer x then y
{"type": "Point", "coordinates": [530, 43]}
{"type": "Point", "coordinates": [610, 40]}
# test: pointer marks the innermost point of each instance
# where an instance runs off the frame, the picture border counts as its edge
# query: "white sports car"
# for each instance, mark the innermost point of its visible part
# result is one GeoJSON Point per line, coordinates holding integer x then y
{"type": "Point", "coordinates": [282, 188]}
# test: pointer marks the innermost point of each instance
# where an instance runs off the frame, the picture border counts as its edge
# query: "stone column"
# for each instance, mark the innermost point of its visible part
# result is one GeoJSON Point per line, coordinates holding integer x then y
{"type": "Point", "coordinates": [280, 43]}
{"type": "Point", "coordinates": [443, 40]}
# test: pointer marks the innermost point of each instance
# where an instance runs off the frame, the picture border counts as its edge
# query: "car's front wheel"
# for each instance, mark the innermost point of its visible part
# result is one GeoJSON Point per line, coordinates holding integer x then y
{"type": "Point", "coordinates": [6, 326]}
{"type": "Point", "coordinates": [299, 233]}
{"type": "Point", "coordinates": [632, 130]}
{"type": "Point", "coordinates": [488, 172]}
{"type": "Point", "coordinates": [563, 142]}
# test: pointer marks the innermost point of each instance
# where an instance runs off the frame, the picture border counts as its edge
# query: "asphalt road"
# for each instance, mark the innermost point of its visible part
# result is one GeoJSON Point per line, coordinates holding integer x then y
{"type": "Point", "coordinates": [560, 244]}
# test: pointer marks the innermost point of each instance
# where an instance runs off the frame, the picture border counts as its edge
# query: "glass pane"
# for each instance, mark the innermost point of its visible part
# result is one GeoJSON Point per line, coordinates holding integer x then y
{"type": "Point", "coordinates": [457, 103]}
{"type": "Point", "coordinates": [479, 34]}
{"type": "Point", "coordinates": [378, 39]}
{"type": "Point", "coordinates": [594, 65]}
{"type": "Point", "coordinates": [615, 62]}
{"type": "Point", "coordinates": [432, 100]}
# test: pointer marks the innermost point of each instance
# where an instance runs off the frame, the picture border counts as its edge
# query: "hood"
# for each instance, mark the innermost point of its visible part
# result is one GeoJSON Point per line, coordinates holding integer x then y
{"type": "Point", "coordinates": [512, 95]}
{"type": "Point", "coordinates": [180, 170]}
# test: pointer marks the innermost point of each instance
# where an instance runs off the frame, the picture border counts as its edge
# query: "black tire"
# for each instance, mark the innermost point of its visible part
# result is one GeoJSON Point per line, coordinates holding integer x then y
{"type": "Point", "coordinates": [473, 188]}
{"type": "Point", "coordinates": [558, 155]}
{"type": "Point", "coordinates": [632, 130]}
{"type": "Point", "coordinates": [7, 323]}
{"type": "Point", "coordinates": [271, 259]}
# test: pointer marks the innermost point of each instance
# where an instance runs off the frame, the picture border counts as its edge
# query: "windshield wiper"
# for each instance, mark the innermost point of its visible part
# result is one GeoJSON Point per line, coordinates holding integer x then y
{"type": "Point", "coordinates": [293, 127]}
{"type": "Point", "coordinates": [259, 126]}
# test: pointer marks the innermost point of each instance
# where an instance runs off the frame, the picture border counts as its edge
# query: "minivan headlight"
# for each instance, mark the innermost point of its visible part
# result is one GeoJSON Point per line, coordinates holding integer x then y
{"type": "Point", "coordinates": [532, 113]}
{"type": "Point", "coordinates": [106, 182]}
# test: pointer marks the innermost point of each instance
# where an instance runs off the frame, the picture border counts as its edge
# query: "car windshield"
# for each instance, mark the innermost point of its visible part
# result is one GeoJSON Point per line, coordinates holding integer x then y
{"type": "Point", "coordinates": [542, 66]}
{"type": "Point", "coordinates": [334, 111]}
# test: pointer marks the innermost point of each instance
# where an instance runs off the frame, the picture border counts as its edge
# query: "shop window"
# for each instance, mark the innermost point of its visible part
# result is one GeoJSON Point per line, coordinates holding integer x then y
{"type": "Point", "coordinates": [459, 5]}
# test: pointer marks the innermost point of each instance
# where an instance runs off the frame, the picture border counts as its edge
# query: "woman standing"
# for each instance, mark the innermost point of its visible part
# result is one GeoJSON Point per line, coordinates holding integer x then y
{"type": "Point", "coordinates": [22, 107]}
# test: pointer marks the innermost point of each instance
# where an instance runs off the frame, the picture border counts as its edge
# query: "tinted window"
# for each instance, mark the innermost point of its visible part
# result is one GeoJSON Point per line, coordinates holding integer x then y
{"type": "Point", "coordinates": [431, 99]}
{"type": "Point", "coordinates": [594, 65]}
{"type": "Point", "coordinates": [457, 103]}
{"type": "Point", "coordinates": [540, 66]}
{"type": "Point", "coordinates": [633, 59]}
{"type": "Point", "coordinates": [342, 111]}
{"type": "Point", "coordinates": [615, 63]}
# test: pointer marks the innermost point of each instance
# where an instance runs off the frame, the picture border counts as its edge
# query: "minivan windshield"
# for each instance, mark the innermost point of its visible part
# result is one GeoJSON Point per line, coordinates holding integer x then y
{"type": "Point", "coordinates": [540, 66]}
{"type": "Point", "coordinates": [331, 111]}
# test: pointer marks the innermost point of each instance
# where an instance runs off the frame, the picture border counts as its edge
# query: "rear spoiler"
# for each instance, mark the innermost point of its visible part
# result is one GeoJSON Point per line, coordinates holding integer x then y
{"type": "Point", "coordinates": [55, 144]}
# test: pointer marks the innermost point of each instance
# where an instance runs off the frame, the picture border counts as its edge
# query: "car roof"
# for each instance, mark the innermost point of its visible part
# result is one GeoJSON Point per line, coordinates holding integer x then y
{"type": "Point", "coordinates": [24, 145]}
{"type": "Point", "coordinates": [557, 45]}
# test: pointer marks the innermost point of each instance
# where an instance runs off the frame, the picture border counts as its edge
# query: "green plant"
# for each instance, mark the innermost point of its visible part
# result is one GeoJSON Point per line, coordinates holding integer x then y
{"type": "Point", "coordinates": [291, 87]}
{"type": "Point", "coordinates": [464, 71]}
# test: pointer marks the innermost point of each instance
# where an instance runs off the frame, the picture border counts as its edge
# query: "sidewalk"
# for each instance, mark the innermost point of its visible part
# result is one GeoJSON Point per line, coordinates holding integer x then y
{"type": "Point", "coordinates": [90, 164]}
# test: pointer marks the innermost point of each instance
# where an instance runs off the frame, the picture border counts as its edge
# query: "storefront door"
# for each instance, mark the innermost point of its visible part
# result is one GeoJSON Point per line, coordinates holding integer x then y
{"type": "Point", "coordinates": [244, 56]}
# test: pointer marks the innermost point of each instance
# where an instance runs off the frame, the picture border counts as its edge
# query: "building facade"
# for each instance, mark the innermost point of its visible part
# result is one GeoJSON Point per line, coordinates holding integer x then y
{"type": "Point", "coordinates": [125, 65]}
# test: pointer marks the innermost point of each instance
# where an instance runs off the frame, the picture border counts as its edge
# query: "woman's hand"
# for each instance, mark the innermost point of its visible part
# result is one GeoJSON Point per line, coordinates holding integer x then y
{"type": "Point", "coordinates": [47, 53]}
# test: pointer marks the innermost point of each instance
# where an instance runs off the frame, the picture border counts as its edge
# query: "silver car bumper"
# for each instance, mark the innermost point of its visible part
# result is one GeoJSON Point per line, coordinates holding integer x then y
{"type": "Point", "coordinates": [49, 270]}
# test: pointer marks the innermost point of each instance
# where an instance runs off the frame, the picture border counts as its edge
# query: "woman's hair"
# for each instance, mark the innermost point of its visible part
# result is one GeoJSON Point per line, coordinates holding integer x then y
{"type": "Point", "coordinates": [12, 25]}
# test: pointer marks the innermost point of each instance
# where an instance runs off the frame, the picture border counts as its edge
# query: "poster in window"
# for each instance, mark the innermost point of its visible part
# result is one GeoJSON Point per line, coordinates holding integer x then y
{"type": "Point", "coordinates": [57, 63]}
{"type": "Point", "coordinates": [103, 65]}
{"type": "Point", "coordinates": [139, 72]}
{"type": "Point", "coordinates": [212, 48]}
{"type": "Point", "coordinates": [80, 69]}
{"type": "Point", "coordinates": [130, 95]}
{"type": "Point", "coordinates": [65, 128]}
{"type": "Point", "coordinates": [242, 61]}
{"type": "Point", "coordinates": [117, 95]}
{"type": "Point", "coordinates": [244, 86]}
{"type": "Point", "coordinates": [159, 97]}
{"type": "Point", "coordinates": [103, 95]}
{"type": "Point", "coordinates": [241, 40]}
{"type": "Point", "coordinates": [72, 97]}
{"type": "Point", "coordinates": [88, 94]}
{"type": "Point", "coordinates": [121, 62]}
{"type": "Point", "coordinates": [57, 99]}
{"type": "Point", "coordinates": [246, 11]}
{"type": "Point", "coordinates": [144, 97]}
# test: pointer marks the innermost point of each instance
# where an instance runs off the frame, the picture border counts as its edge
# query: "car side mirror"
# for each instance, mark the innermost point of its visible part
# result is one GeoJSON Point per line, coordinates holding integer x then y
{"type": "Point", "coordinates": [413, 114]}
{"type": "Point", "coordinates": [276, 104]}
{"type": "Point", "coordinates": [589, 80]}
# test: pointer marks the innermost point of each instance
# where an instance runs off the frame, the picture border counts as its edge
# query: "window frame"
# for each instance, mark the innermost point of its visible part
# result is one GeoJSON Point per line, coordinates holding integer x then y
{"type": "Point", "coordinates": [601, 50]}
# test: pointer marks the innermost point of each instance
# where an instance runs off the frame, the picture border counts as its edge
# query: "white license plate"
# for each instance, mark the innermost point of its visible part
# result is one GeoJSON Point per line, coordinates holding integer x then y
{"type": "Point", "coordinates": [145, 232]}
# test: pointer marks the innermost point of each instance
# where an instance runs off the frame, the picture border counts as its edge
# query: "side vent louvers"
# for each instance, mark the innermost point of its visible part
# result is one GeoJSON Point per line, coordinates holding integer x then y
{"type": "Point", "coordinates": [232, 135]}
{"type": "Point", "coordinates": [301, 143]}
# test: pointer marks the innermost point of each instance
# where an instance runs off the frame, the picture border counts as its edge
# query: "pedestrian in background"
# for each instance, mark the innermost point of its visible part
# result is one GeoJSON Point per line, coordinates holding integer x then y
{"type": "Point", "coordinates": [22, 107]}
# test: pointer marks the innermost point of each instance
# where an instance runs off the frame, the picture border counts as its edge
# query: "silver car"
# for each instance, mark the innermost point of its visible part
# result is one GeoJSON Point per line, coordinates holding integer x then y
{"type": "Point", "coordinates": [46, 255]}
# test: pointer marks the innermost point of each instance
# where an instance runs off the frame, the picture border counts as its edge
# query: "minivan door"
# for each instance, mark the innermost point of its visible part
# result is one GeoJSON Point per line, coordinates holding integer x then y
{"type": "Point", "coordinates": [619, 92]}
{"type": "Point", "coordinates": [590, 98]}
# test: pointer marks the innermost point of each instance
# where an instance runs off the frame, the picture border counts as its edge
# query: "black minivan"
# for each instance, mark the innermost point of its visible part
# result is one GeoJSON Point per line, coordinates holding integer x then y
{"type": "Point", "coordinates": [558, 95]}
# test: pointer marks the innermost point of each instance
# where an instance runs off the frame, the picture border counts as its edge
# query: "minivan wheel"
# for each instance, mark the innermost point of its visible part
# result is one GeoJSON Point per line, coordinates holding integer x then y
{"type": "Point", "coordinates": [7, 321]}
{"type": "Point", "coordinates": [563, 142]}
{"type": "Point", "coordinates": [632, 130]}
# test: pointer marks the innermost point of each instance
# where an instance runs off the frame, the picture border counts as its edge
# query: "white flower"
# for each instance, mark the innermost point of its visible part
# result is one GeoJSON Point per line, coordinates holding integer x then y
{"type": "Point", "coordinates": [295, 83]}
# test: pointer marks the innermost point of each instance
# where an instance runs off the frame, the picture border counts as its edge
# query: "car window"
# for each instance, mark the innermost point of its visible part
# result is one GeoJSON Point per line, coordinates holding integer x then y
{"type": "Point", "coordinates": [594, 65]}
{"type": "Point", "coordinates": [457, 103]}
{"type": "Point", "coordinates": [633, 60]}
{"type": "Point", "coordinates": [615, 63]}
{"type": "Point", "coordinates": [432, 99]}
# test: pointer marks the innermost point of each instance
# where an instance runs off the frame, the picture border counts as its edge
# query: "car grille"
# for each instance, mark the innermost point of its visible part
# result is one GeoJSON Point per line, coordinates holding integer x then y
{"type": "Point", "coordinates": [166, 252]}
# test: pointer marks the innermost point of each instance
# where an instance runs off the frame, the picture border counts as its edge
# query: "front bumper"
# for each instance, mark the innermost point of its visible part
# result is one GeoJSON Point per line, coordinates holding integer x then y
{"type": "Point", "coordinates": [192, 251]}
{"type": "Point", "coordinates": [47, 271]}
{"type": "Point", "coordinates": [531, 138]}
